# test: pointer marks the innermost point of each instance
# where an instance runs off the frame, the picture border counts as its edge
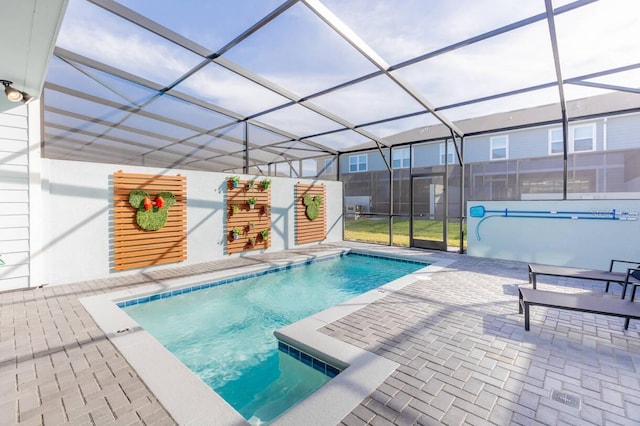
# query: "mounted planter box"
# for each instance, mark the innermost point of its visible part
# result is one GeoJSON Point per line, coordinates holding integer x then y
{"type": "Point", "coordinates": [311, 222]}
{"type": "Point", "coordinates": [136, 199]}
{"type": "Point", "coordinates": [248, 213]}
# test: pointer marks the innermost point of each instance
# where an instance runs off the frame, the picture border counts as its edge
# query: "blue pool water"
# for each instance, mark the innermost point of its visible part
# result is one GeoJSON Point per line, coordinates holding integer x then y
{"type": "Point", "coordinates": [224, 333]}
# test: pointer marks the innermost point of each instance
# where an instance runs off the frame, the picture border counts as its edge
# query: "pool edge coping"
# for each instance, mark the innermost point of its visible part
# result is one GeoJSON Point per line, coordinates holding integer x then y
{"type": "Point", "coordinates": [338, 397]}
{"type": "Point", "coordinates": [197, 403]}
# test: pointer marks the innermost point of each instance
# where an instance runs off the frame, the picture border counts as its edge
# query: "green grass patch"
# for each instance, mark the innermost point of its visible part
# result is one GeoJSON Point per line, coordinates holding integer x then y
{"type": "Point", "coordinates": [377, 231]}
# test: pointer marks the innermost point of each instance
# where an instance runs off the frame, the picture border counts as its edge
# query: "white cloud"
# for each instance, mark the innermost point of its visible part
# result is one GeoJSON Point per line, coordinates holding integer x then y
{"type": "Point", "coordinates": [305, 60]}
{"type": "Point", "coordinates": [231, 91]}
{"type": "Point", "coordinates": [599, 36]}
{"type": "Point", "coordinates": [399, 30]}
{"type": "Point", "coordinates": [94, 33]}
{"type": "Point", "coordinates": [371, 100]}
{"type": "Point", "coordinates": [594, 37]}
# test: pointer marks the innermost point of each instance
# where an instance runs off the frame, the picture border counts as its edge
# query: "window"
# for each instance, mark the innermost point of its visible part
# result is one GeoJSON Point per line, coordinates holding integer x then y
{"type": "Point", "coordinates": [328, 166]}
{"type": "Point", "coordinates": [581, 139]}
{"type": "Point", "coordinates": [451, 152]}
{"type": "Point", "coordinates": [401, 158]}
{"type": "Point", "coordinates": [555, 141]}
{"type": "Point", "coordinates": [500, 147]}
{"type": "Point", "coordinates": [358, 163]}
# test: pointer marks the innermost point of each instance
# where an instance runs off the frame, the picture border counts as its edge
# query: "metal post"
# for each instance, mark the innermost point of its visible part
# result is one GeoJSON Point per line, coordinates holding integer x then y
{"type": "Point", "coordinates": [445, 189]}
{"type": "Point", "coordinates": [411, 209]}
{"type": "Point", "coordinates": [391, 176]}
{"type": "Point", "coordinates": [245, 168]}
{"type": "Point", "coordinates": [463, 208]}
{"type": "Point", "coordinates": [563, 105]}
{"type": "Point", "coordinates": [338, 178]}
{"type": "Point", "coordinates": [390, 170]}
{"type": "Point", "coordinates": [565, 157]}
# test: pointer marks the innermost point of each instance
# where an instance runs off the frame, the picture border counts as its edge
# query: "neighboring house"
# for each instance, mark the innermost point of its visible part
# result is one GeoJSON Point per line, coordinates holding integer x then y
{"type": "Point", "coordinates": [525, 163]}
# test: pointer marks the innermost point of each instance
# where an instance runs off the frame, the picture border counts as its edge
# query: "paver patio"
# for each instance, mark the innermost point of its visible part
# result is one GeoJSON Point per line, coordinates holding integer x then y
{"type": "Point", "coordinates": [463, 353]}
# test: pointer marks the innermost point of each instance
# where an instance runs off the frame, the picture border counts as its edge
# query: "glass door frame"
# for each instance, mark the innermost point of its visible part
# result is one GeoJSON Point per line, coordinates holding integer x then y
{"type": "Point", "coordinates": [429, 244]}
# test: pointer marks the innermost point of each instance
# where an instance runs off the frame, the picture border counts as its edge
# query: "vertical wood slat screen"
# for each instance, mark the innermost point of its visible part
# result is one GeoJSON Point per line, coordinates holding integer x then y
{"type": "Point", "coordinates": [308, 230]}
{"type": "Point", "coordinates": [134, 247]}
{"type": "Point", "coordinates": [239, 196]}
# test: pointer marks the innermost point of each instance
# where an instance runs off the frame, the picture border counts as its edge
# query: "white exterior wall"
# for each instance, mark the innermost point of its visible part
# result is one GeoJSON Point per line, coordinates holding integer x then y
{"type": "Point", "coordinates": [78, 213]}
{"type": "Point", "coordinates": [584, 243]}
{"type": "Point", "coordinates": [14, 199]}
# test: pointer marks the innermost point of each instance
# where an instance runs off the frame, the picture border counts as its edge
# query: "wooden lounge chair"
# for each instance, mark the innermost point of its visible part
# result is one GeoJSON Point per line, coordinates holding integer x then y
{"type": "Point", "coordinates": [630, 277]}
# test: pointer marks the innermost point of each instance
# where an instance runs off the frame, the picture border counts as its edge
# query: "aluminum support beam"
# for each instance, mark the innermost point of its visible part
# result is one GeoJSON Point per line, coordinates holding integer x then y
{"type": "Point", "coordinates": [352, 38]}
{"type": "Point", "coordinates": [563, 105]}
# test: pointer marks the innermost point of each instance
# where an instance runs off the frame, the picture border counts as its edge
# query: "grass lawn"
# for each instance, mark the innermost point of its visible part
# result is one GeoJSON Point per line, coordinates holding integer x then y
{"type": "Point", "coordinates": [377, 231]}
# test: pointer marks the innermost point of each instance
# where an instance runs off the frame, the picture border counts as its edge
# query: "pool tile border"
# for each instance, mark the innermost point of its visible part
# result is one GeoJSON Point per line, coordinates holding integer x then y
{"type": "Point", "coordinates": [190, 289]}
{"type": "Point", "coordinates": [308, 359]}
{"type": "Point", "coordinates": [197, 403]}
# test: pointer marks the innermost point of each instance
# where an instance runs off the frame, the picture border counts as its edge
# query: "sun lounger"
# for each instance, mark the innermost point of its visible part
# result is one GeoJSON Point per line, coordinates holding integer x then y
{"type": "Point", "coordinates": [630, 277]}
{"type": "Point", "coordinates": [576, 302]}
{"type": "Point", "coordinates": [635, 274]}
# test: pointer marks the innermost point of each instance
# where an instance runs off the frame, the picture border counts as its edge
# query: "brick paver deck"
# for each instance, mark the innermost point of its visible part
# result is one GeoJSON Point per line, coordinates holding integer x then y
{"type": "Point", "coordinates": [463, 353]}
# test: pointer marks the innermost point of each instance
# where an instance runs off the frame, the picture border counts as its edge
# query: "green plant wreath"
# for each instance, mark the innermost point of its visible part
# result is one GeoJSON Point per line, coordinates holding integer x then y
{"type": "Point", "coordinates": [151, 215]}
{"type": "Point", "coordinates": [313, 206]}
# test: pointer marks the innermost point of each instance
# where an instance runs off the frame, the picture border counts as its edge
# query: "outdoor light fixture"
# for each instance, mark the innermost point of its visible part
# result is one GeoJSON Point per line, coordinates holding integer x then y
{"type": "Point", "coordinates": [15, 95]}
{"type": "Point", "coordinates": [26, 98]}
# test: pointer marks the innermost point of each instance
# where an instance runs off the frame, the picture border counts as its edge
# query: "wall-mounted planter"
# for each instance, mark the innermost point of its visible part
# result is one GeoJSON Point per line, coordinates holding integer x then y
{"type": "Point", "coordinates": [234, 181]}
{"type": "Point", "coordinates": [151, 215]}
{"type": "Point", "coordinates": [311, 223]}
{"type": "Point", "coordinates": [313, 204]}
{"type": "Point", "coordinates": [145, 234]}
{"type": "Point", "coordinates": [249, 209]}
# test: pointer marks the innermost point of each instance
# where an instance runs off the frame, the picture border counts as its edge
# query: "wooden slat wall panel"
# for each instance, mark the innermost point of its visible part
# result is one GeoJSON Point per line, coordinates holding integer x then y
{"type": "Point", "coordinates": [308, 231]}
{"type": "Point", "coordinates": [262, 220]}
{"type": "Point", "coordinates": [136, 248]}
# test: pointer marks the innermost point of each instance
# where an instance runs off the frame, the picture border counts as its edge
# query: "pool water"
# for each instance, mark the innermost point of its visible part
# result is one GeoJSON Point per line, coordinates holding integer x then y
{"type": "Point", "coordinates": [224, 333]}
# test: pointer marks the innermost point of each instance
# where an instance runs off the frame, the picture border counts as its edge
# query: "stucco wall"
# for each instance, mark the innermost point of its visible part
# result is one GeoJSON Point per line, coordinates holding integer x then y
{"type": "Point", "coordinates": [78, 215]}
{"type": "Point", "coordinates": [590, 239]}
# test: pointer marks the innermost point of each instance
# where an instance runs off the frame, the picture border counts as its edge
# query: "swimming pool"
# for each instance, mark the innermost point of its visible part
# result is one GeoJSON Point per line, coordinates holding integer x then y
{"type": "Point", "coordinates": [228, 340]}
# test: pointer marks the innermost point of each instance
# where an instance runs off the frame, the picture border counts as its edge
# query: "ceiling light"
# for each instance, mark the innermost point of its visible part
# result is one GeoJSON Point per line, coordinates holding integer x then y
{"type": "Point", "coordinates": [14, 95]}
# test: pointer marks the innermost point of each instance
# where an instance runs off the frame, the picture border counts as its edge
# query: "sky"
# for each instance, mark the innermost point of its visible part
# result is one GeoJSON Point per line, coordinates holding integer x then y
{"type": "Point", "coordinates": [299, 52]}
